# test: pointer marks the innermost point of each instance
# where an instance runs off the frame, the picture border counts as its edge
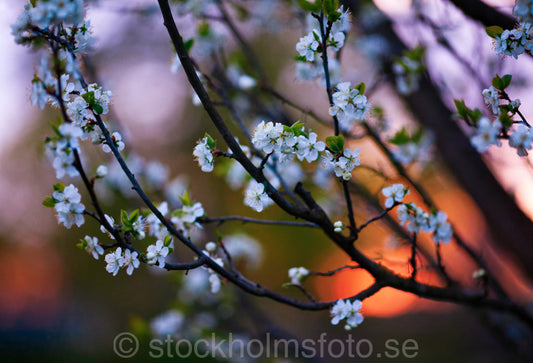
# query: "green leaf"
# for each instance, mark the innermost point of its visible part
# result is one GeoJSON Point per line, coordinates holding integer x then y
{"type": "Point", "coordinates": [335, 143]}
{"type": "Point", "coordinates": [417, 137]}
{"type": "Point", "coordinates": [89, 97]}
{"type": "Point", "coordinates": [361, 88]}
{"type": "Point", "coordinates": [300, 58]}
{"type": "Point", "coordinates": [497, 82]}
{"type": "Point", "coordinates": [97, 109]}
{"type": "Point", "coordinates": [203, 29]}
{"type": "Point", "coordinates": [188, 44]}
{"type": "Point", "coordinates": [316, 36]}
{"type": "Point", "coordinates": [242, 12]}
{"type": "Point", "coordinates": [461, 108]}
{"type": "Point", "coordinates": [209, 141]}
{"type": "Point", "coordinates": [167, 240]}
{"type": "Point", "coordinates": [140, 328]}
{"type": "Point", "coordinates": [505, 109]}
{"type": "Point", "coordinates": [330, 8]}
{"type": "Point", "coordinates": [378, 112]}
{"type": "Point", "coordinates": [134, 216]}
{"type": "Point", "coordinates": [124, 217]}
{"type": "Point", "coordinates": [506, 79]}
{"type": "Point", "coordinates": [310, 6]}
{"type": "Point", "coordinates": [400, 138]}
{"type": "Point", "coordinates": [475, 115]}
{"type": "Point", "coordinates": [465, 113]}
{"type": "Point", "coordinates": [297, 128]}
{"type": "Point", "coordinates": [185, 198]}
{"type": "Point", "coordinates": [49, 202]}
{"type": "Point", "coordinates": [494, 31]}
{"type": "Point", "coordinates": [59, 187]}
{"type": "Point", "coordinates": [506, 120]}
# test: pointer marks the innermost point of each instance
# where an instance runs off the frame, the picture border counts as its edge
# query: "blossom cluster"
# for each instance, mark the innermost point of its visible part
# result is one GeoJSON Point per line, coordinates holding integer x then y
{"type": "Point", "coordinates": [523, 10]}
{"type": "Point", "coordinates": [343, 163]}
{"type": "Point", "coordinates": [118, 259]}
{"type": "Point", "coordinates": [394, 193]}
{"type": "Point", "coordinates": [309, 65]}
{"type": "Point", "coordinates": [156, 254]}
{"type": "Point", "coordinates": [214, 279]}
{"type": "Point", "coordinates": [242, 247]}
{"type": "Point", "coordinates": [285, 142]}
{"type": "Point", "coordinates": [203, 153]}
{"type": "Point", "coordinates": [91, 246]}
{"type": "Point", "coordinates": [515, 41]}
{"type": "Point", "coordinates": [184, 218]}
{"type": "Point", "coordinates": [417, 220]}
{"type": "Point", "coordinates": [256, 197]}
{"type": "Point", "coordinates": [486, 134]}
{"type": "Point", "coordinates": [344, 309]}
{"type": "Point", "coordinates": [491, 97]}
{"type": "Point", "coordinates": [407, 70]}
{"type": "Point", "coordinates": [68, 206]}
{"type": "Point", "coordinates": [44, 13]}
{"type": "Point", "coordinates": [406, 75]}
{"type": "Point", "coordinates": [349, 105]}
{"type": "Point", "coordinates": [298, 274]}
{"type": "Point", "coordinates": [284, 171]}
{"type": "Point", "coordinates": [410, 148]}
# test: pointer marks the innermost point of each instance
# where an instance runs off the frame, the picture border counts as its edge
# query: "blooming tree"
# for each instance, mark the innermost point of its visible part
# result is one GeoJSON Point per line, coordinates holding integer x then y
{"type": "Point", "coordinates": [279, 163]}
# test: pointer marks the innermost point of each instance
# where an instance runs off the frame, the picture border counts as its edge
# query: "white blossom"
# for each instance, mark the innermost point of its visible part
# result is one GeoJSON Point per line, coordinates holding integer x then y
{"type": "Point", "coordinates": [130, 261]}
{"type": "Point", "coordinates": [298, 274]}
{"type": "Point", "coordinates": [168, 323]}
{"type": "Point", "coordinates": [116, 137]}
{"type": "Point", "coordinates": [394, 193]}
{"type": "Point", "coordinates": [407, 73]}
{"type": "Point", "coordinates": [63, 163]}
{"type": "Point", "coordinates": [114, 261]}
{"type": "Point", "coordinates": [308, 45]}
{"type": "Point", "coordinates": [204, 155]}
{"type": "Point", "coordinates": [69, 209]}
{"type": "Point", "coordinates": [101, 171]}
{"type": "Point", "coordinates": [111, 221]}
{"type": "Point", "coordinates": [523, 10]}
{"type": "Point", "coordinates": [521, 139]}
{"type": "Point", "coordinates": [185, 218]}
{"type": "Point", "coordinates": [69, 136]}
{"type": "Point", "coordinates": [157, 254]}
{"type": "Point", "coordinates": [256, 197]}
{"type": "Point", "coordinates": [338, 226]}
{"type": "Point", "coordinates": [515, 41]}
{"type": "Point", "coordinates": [214, 281]}
{"type": "Point", "coordinates": [267, 137]}
{"type": "Point", "coordinates": [486, 134]}
{"type": "Point", "coordinates": [92, 247]}
{"type": "Point", "coordinates": [309, 148]}
{"type": "Point", "coordinates": [343, 165]}
{"type": "Point", "coordinates": [491, 99]}
{"type": "Point", "coordinates": [349, 105]}
{"type": "Point", "coordinates": [442, 229]}
{"type": "Point", "coordinates": [344, 309]}
{"type": "Point", "coordinates": [244, 248]}
{"type": "Point", "coordinates": [156, 228]}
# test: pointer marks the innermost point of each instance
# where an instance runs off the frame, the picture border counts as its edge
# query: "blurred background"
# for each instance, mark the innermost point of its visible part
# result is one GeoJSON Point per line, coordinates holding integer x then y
{"type": "Point", "coordinates": [57, 302]}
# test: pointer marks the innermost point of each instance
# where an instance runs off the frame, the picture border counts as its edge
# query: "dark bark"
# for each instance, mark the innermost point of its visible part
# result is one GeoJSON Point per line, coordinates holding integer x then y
{"type": "Point", "coordinates": [479, 11]}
